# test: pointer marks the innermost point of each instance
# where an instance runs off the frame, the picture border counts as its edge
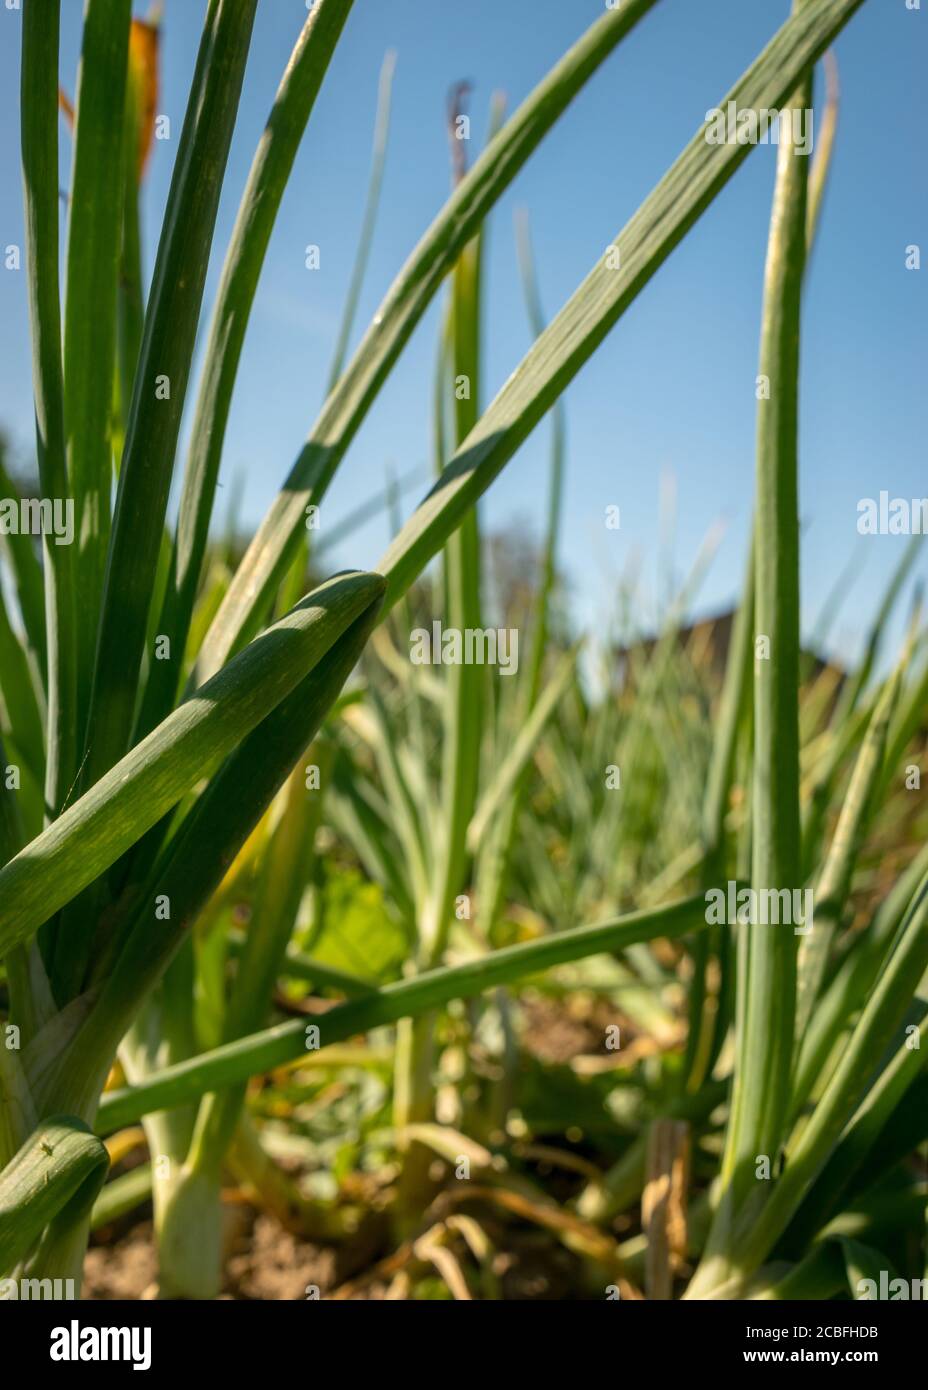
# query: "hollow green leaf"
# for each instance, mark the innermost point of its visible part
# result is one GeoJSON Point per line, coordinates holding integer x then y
{"type": "Point", "coordinates": [132, 796]}
{"type": "Point", "coordinates": [28, 583]}
{"type": "Point", "coordinates": [161, 380]}
{"type": "Point", "coordinates": [267, 181]}
{"type": "Point", "coordinates": [121, 1196]}
{"type": "Point", "coordinates": [753, 1238]}
{"type": "Point", "coordinates": [834, 881]}
{"type": "Point", "coordinates": [375, 181]}
{"type": "Point", "coordinates": [893, 1089]}
{"type": "Point", "coordinates": [513, 764]}
{"type": "Point", "coordinates": [760, 1094]}
{"type": "Point", "coordinates": [406, 999]}
{"type": "Point", "coordinates": [19, 697]}
{"type": "Point", "coordinates": [276, 903]}
{"type": "Point", "coordinates": [625, 267]}
{"type": "Point", "coordinates": [39, 135]}
{"type": "Point", "coordinates": [818, 1276]}
{"type": "Point", "coordinates": [196, 857]}
{"type": "Point", "coordinates": [58, 1160]}
{"type": "Point", "coordinates": [864, 1266]}
{"type": "Point", "coordinates": [853, 980]}
{"type": "Point", "coordinates": [406, 301]}
{"type": "Point", "coordinates": [94, 232]}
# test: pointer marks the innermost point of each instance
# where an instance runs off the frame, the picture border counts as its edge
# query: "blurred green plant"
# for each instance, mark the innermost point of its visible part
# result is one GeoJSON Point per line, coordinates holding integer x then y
{"type": "Point", "coordinates": [170, 869]}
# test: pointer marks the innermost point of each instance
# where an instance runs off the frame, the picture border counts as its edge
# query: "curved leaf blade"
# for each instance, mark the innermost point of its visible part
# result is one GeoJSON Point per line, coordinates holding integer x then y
{"type": "Point", "coordinates": [148, 781]}
{"type": "Point", "coordinates": [406, 301]}
{"type": "Point", "coordinates": [249, 1056]}
{"type": "Point", "coordinates": [59, 1159]}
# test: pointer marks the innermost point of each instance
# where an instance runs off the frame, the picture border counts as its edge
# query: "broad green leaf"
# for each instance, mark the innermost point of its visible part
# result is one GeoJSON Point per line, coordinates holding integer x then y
{"type": "Point", "coordinates": [356, 933]}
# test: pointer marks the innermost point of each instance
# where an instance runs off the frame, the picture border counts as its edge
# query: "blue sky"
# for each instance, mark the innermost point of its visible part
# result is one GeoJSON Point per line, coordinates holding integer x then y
{"type": "Point", "coordinates": [671, 392]}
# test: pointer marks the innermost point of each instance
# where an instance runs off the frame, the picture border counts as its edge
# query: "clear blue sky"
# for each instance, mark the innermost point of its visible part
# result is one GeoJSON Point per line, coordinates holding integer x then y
{"type": "Point", "coordinates": [672, 389]}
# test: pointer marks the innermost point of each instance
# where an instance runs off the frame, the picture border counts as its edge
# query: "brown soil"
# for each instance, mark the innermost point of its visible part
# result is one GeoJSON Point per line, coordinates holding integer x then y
{"type": "Point", "coordinates": [268, 1263]}
{"type": "Point", "coordinates": [556, 1031]}
{"type": "Point", "coordinates": [265, 1262]}
{"type": "Point", "coordinates": [125, 1269]}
